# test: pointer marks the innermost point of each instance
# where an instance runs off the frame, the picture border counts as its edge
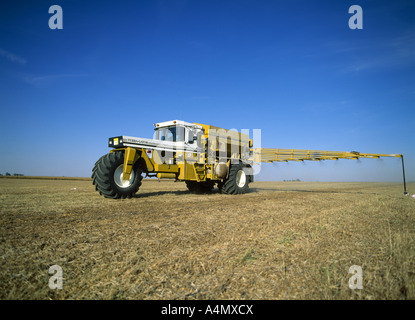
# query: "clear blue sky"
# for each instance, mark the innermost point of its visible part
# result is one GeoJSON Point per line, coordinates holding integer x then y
{"type": "Point", "coordinates": [293, 69]}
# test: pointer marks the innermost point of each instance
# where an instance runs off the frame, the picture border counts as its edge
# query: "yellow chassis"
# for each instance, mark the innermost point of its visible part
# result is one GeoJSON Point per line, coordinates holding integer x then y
{"type": "Point", "coordinates": [190, 169]}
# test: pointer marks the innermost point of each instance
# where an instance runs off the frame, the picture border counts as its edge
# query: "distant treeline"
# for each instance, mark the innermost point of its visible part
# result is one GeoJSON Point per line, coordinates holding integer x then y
{"type": "Point", "coordinates": [14, 174]}
{"type": "Point", "coordinates": [291, 180]}
{"type": "Point", "coordinates": [44, 177]}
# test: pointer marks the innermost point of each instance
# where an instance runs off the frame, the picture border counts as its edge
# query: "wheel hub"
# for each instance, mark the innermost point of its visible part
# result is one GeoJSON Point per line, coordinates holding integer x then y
{"type": "Point", "coordinates": [118, 177]}
{"type": "Point", "coordinates": [240, 178]}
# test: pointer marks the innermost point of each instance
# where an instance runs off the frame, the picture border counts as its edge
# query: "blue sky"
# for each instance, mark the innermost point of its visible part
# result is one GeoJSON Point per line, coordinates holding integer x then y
{"type": "Point", "coordinates": [293, 69]}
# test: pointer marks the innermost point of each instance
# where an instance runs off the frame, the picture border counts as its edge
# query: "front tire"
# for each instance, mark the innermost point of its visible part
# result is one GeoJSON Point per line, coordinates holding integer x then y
{"type": "Point", "coordinates": [107, 177]}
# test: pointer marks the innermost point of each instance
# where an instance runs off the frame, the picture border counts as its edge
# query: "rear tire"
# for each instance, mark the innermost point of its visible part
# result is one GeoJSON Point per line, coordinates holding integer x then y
{"type": "Point", "coordinates": [237, 182]}
{"type": "Point", "coordinates": [107, 177]}
{"type": "Point", "coordinates": [200, 187]}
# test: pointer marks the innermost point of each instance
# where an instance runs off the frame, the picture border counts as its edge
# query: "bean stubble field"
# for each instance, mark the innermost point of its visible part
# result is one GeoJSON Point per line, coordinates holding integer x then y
{"type": "Point", "coordinates": [282, 240]}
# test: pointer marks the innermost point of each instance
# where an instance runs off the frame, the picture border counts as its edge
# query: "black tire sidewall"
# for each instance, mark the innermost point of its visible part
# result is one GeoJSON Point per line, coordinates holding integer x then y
{"type": "Point", "coordinates": [244, 188]}
{"type": "Point", "coordinates": [133, 188]}
{"type": "Point", "coordinates": [229, 186]}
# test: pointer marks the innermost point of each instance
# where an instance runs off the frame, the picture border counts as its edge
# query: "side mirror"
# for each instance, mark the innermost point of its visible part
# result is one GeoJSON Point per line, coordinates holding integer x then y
{"type": "Point", "coordinates": [191, 136]}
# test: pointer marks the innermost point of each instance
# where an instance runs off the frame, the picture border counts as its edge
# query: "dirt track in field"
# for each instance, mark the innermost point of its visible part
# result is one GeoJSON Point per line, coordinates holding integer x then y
{"type": "Point", "coordinates": [282, 240]}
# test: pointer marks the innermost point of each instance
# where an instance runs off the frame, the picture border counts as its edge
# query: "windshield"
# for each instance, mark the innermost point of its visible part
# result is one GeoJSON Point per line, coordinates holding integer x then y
{"type": "Point", "coordinates": [170, 134]}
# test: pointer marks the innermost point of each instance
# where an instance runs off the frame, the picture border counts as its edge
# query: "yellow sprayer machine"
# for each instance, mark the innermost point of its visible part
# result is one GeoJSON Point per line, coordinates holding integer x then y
{"type": "Point", "coordinates": [201, 155]}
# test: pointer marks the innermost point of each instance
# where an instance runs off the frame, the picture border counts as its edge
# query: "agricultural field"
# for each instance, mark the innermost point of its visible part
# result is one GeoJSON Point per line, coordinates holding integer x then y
{"type": "Point", "coordinates": [282, 240]}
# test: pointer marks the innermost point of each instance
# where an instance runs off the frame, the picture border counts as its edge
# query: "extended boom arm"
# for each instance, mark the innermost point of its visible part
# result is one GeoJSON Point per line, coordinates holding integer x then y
{"type": "Point", "coordinates": [284, 155]}
{"type": "Point", "coordinates": [271, 155]}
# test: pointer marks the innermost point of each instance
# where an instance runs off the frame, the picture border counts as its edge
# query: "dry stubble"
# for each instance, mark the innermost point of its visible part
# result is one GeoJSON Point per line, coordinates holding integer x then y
{"type": "Point", "coordinates": [282, 240]}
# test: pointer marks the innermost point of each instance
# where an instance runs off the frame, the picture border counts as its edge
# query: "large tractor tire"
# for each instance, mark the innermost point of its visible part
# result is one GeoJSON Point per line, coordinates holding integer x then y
{"type": "Point", "coordinates": [107, 177]}
{"type": "Point", "coordinates": [200, 187]}
{"type": "Point", "coordinates": [237, 181]}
